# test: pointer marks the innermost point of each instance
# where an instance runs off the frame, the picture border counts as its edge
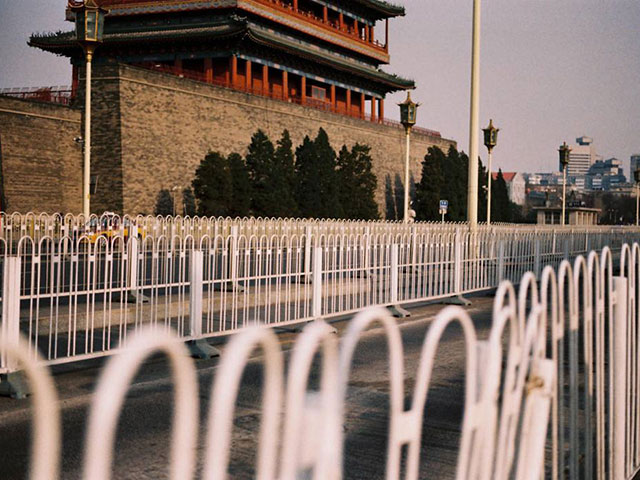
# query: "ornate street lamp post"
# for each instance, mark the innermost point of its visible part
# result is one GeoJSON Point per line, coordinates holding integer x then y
{"type": "Point", "coordinates": [89, 31]}
{"type": "Point", "coordinates": [408, 112]}
{"type": "Point", "coordinates": [564, 151]}
{"type": "Point", "coordinates": [472, 184]}
{"type": "Point", "coordinates": [490, 141]}
{"type": "Point", "coordinates": [636, 177]}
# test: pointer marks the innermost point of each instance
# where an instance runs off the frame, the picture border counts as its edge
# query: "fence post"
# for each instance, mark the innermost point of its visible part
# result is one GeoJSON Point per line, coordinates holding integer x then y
{"type": "Point", "coordinates": [307, 253]}
{"type": "Point", "coordinates": [587, 244]}
{"type": "Point", "coordinates": [134, 295]}
{"type": "Point", "coordinates": [367, 252]}
{"type": "Point", "coordinates": [501, 261]}
{"type": "Point", "coordinates": [198, 346]}
{"type": "Point", "coordinates": [566, 249]}
{"type": "Point", "coordinates": [196, 263]}
{"type": "Point", "coordinates": [11, 383]}
{"type": "Point", "coordinates": [233, 259]}
{"type": "Point", "coordinates": [317, 283]}
{"type": "Point", "coordinates": [618, 376]}
{"type": "Point", "coordinates": [395, 307]}
{"type": "Point", "coordinates": [456, 297]}
{"type": "Point", "coordinates": [535, 419]}
{"type": "Point", "coordinates": [458, 262]}
{"type": "Point", "coordinates": [536, 257]}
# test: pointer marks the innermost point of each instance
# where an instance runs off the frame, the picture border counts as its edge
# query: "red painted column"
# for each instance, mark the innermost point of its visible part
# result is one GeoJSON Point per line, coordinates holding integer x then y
{"type": "Point", "coordinates": [366, 33]}
{"type": "Point", "coordinates": [348, 102]}
{"type": "Point", "coordinates": [303, 90]}
{"type": "Point", "coordinates": [362, 104]}
{"type": "Point", "coordinates": [265, 79]}
{"type": "Point", "coordinates": [285, 84]}
{"type": "Point", "coordinates": [333, 98]}
{"type": "Point", "coordinates": [355, 28]}
{"type": "Point", "coordinates": [341, 20]}
{"type": "Point", "coordinates": [234, 70]}
{"type": "Point", "coordinates": [371, 34]}
{"type": "Point", "coordinates": [295, 5]}
{"type": "Point", "coordinates": [208, 70]}
{"type": "Point", "coordinates": [381, 110]}
{"type": "Point", "coordinates": [325, 14]}
{"type": "Point", "coordinates": [373, 109]}
{"type": "Point", "coordinates": [386, 35]}
{"type": "Point", "coordinates": [247, 76]}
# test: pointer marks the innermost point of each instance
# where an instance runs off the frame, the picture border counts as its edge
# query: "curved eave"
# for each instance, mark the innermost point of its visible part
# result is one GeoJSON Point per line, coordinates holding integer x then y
{"type": "Point", "coordinates": [384, 9]}
{"type": "Point", "coordinates": [64, 44]}
{"type": "Point", "coordinates": [263, 37]}
{"type": "Point", "coordinates": [68, 46]}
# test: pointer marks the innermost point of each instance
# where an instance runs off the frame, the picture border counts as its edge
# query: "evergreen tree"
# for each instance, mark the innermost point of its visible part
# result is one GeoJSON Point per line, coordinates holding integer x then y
{"type": "Point", "coordinates": [399, 196]}
{"type": "Point", "coordinates": [500, 203]}
{"type": "Point", "coordinates": [164, 203]}
{"type": "Point", "coordinates": [240, 186]}
{"type": "Point", "coordinates": [389, 199]}
{"type": "Point", "coordinates": [212, 186]}
{"type": "Point", "coordinates": [482, 191]}
{"type": "Point", "coordinates": [316, 186]}
{"type": "Point", "coordinates": [284, 178]}
{"type": "Point", "coordinates": [189, 202]}
{"type": "Point", "coordinates": [260, 165]}
{"type": "Point", "coordinates": [430, 189]}
{"type": "Point", "coordinates": [357, 183]}
{"type": "Point", "coordinates": [456, 173]}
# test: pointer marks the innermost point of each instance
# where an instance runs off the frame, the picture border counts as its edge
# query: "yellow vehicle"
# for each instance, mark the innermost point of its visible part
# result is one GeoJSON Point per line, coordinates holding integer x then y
{"type": "Point", "coordinates": [108, 226]}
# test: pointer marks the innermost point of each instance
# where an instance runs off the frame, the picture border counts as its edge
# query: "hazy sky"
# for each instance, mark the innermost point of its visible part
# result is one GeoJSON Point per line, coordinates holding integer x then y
{"type": "Point", "coordinates": [551, 70]}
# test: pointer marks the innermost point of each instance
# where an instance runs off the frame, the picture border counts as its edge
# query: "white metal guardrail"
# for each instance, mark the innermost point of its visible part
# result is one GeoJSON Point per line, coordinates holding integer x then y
{"type": "Point", "coordinates": [79, 296]}
{"type": "Point", "coordinates": [15, 226]}
{"type": "Point", "coordinates": [494, 443]}
{"type": "Point", "coordinates": [556, 384]}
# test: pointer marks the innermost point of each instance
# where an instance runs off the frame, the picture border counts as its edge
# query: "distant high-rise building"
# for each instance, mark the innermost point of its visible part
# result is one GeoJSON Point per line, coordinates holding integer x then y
{"type": "Point", "coordinates": [605, 175]}
{"type": "Point", "coordinates": [634, 164]}
{"type": "Point", "coordinates": [582, 156]}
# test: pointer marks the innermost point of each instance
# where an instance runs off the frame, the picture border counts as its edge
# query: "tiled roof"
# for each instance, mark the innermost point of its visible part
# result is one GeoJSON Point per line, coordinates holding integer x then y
{"type": "Point", "coordinates": [63, 42]}
{"type": "Point", "coordinates": [508, 176]}
{"type": "Point", "coordinates": [384, 9]}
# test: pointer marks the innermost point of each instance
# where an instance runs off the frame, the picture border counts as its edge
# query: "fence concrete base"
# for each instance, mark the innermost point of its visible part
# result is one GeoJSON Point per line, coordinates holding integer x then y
{"type": "Point", "coordinates": [202, 350]}
{"type": "Point", "coordinates": [14, 385]}
{"type": "Point", "coordinates": [457, 300]}
{"type": "Point", "coordinates": [398, 312]}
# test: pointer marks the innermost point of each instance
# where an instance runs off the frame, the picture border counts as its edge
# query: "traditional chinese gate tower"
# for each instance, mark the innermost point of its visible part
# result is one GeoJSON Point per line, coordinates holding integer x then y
{"type": "Point", "coordinates": [321, 53]}
{"type": "Point", "coordinates": [175, 79]}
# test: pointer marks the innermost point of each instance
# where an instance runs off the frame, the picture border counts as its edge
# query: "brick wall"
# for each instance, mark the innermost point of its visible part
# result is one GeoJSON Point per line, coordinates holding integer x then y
{"type": "Point", "coordinates": [151, 130]}
{"type": "Point", "coordinates": [41, 162]}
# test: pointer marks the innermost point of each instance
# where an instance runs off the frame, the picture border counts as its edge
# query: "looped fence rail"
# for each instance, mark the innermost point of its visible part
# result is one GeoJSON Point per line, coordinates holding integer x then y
{"type": "Point", "coordinates": [553, 391]}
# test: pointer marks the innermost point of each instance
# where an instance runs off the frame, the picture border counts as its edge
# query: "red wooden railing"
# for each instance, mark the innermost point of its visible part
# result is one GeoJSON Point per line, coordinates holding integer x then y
{"type": "Point", "coordinates": [59, 95]}
{"type": "Point", "coordinates": [288, 8]}
{"type": "Point", "coordinates": [311, 18]}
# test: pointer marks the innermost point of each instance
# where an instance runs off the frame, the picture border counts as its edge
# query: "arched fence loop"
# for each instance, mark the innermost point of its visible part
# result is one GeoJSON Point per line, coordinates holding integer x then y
{"type": "Point", "coordinates": [552, 392]}
{"type": "Point", "coordinates": [77, 287]}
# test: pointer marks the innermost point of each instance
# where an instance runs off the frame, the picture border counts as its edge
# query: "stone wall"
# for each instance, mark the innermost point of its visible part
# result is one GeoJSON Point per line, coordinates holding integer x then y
{"type": "Point", "coordinates": [151, 130]}
{"type": "Point", "coordinates": [41, 163]}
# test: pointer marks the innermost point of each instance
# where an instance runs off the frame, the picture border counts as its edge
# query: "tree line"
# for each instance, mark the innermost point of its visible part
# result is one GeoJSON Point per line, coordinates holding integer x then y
{"type": "Point", "coordinates": [445, 177]}
{"type": "Point", "coordinates": [312, 181]}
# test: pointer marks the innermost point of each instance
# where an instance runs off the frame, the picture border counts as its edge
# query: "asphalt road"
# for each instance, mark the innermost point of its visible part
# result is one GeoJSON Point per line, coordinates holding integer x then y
{"type": "Point", "coordinates": [142, 447]}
